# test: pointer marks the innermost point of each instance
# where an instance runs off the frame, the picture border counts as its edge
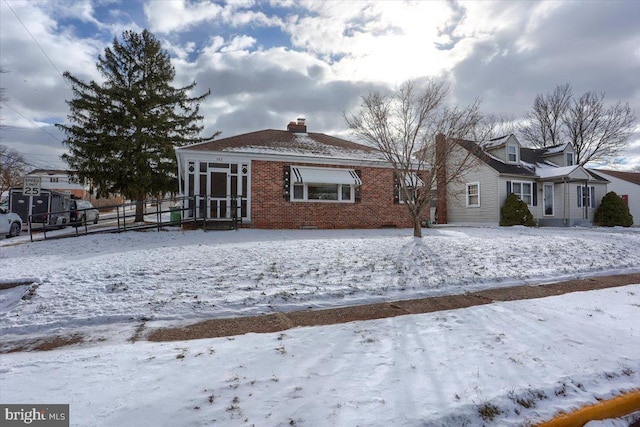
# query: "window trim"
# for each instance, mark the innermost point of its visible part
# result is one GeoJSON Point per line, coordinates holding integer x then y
{"type": "Point", "coordinates": [591, 196]}
{"type": "Point", "coordinates": [305, 193]}
{"type": "Point", "coordinates": [469, 185]}
{"type": "Point", "coordinates": [531, 194]}
{"type": "Point", "coordinates": [566, 158]}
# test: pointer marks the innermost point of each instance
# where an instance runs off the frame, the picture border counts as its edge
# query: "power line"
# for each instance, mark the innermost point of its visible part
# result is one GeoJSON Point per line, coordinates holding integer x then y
{"type": "Point", "coordinates": [33, 121]}
{"type": "Point", "coordinates": [35, 41]}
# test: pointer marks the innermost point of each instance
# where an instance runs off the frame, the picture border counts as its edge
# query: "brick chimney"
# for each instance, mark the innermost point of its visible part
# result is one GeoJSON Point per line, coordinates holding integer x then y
{"type": "Point", "coordinates": [297, 126]}
{"type": "Point", "coordinates": [441, 177]}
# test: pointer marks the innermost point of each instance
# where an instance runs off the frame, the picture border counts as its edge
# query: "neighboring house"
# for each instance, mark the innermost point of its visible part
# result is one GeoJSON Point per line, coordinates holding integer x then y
{"type": "Point", "coordinates": [61, 180]}
{"type": "Point", "coordinates": [66, 182]}
{"type": "Point", "coordinates": [290, 179]}
{"type": "Point", "coordinates": [627, 186]}
{"type": "Point", "coordinates": [557, 191]}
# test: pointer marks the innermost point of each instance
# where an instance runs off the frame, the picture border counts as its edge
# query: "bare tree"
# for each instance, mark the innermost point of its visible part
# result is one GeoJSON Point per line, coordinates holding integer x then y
{"type": "Point", "coordinates": [403, 126]}
{"type": "Point", "coordinates": [12, 168]}
{"type": "Point", "coordinates": [494, 126]}
{"type": "Point", "coordinates": [543, 126]}
{"type": "Point", "coordinates": [594, 130]}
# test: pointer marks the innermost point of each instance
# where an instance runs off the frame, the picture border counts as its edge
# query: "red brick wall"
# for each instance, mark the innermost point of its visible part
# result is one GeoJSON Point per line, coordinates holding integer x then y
{"type": "Point", "coordinates": [375, 209]}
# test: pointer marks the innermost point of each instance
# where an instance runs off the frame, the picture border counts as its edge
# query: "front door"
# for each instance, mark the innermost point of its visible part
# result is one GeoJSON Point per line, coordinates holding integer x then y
{"type": "Point", "coordinates": [548, 199]}
{"type": "Point", "coordinates": [218, 193]}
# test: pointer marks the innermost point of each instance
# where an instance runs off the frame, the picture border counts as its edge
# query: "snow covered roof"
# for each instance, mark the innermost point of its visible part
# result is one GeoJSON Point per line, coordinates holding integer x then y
{"type": "Point", "coordinates": [555, 172]}
{"type": "Point", "coordinates": [524, 169]}
{"type": "Point", "coordinates": [553, 150]}
{"type": "Point", "coordinates": [284, 142]}
{"type": "Point", "coordinates": [495, 142]}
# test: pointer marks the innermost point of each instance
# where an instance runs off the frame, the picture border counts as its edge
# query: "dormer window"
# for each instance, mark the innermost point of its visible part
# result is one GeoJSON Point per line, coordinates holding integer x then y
{"type": "Point", "coordinates": [569, 157]}
{"type": "Point", "coordinates": [512, 153]}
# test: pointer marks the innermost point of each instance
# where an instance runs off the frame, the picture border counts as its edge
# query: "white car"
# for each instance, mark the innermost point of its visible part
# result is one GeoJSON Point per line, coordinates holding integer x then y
{"type": "Point", "coordinates": [82, 211]}
{"type": "Point", "coordinates": [10, 223]}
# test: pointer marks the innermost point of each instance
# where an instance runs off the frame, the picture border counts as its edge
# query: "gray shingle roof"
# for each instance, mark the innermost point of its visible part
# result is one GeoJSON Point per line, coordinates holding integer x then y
{"type": "Point", "coordinates": [498, 165]}
{"type": "Point", "coordinates": [285, 142]}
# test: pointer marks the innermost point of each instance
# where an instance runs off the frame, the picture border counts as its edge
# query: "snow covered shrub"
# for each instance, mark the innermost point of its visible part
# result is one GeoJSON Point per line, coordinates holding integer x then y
{"type": "Point", "coordinates": [515, 212]}
{"type": "Point", "coordinates": [613, 211]}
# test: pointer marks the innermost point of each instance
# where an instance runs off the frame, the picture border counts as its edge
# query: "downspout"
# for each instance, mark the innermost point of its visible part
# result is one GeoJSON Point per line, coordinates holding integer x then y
{"type": "Point", "coordinates": [566, 201]}
{"type": "Point", "coordinates": [179, 161]}
{"type": "Point", "coordinates": [586, 199]}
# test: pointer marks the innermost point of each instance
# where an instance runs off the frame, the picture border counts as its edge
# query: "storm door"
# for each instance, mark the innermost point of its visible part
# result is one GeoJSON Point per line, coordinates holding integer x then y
{"type": "Point", "coordinates": [548, 199]}
{"type": "Point", "coordinates": [218, 194]}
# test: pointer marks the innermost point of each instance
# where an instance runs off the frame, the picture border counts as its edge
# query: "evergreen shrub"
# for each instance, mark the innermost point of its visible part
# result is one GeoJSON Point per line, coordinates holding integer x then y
{"type": "Point", "coordinates": [515, 212]}
{"type": "Point", "coordinates": [613, 211]}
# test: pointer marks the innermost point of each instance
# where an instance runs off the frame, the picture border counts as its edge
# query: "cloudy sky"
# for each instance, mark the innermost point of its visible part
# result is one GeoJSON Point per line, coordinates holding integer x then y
{"type": "Point", "coordinates": [269, 62]}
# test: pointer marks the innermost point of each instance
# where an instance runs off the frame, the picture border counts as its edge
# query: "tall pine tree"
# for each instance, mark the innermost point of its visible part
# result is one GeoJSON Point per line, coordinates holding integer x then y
{"type": "Point", "coordinates": [123, 131]}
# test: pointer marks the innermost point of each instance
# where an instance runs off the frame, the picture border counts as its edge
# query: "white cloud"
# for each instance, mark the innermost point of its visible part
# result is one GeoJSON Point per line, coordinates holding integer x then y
{"type": "Point", "coordinates": [176, 15]}
{"type": "Point", "coordinates": [239, 43]}
{"type": "Point", "coordinates": [376, 41]}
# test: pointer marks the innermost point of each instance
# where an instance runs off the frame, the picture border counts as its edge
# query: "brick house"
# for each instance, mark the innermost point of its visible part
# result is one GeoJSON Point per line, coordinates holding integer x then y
{"type": "Point", "coordinates": [292, 178]}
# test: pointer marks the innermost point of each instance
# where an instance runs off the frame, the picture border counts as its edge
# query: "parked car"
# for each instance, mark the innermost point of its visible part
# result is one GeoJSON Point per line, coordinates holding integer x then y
{"type": "Point", "coordinates": [10, 223]}
{"type": "Point", "coordinates": [82, 211]}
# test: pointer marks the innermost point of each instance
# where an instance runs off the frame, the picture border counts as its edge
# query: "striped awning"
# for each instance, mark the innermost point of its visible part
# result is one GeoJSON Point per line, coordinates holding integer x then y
{"type": "Point", "coordinates": [310, 175]}
{"type": "Point", "coordinates": [413, 180]}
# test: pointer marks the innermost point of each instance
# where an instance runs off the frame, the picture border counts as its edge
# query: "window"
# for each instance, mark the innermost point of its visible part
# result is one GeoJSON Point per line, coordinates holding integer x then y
{"type": "Point", "coordinates": [524, 190]}
{"type": "Point", "coordinates": [512, 153]}
{"type": "Point", "coordinates": [586, 196]}
{"type": "Point", "coordinates": [569, 157]}
{"type": "Point", "coordinates": [473, 195]}
{"type": "Point", "coordinates": [312, 184]}
{"type": "Point", "coordinates": [323, 192]}
{"type": "Point", "coordinates": [414, 185]}
{"type": "Point", "coordinates": [53, 179]}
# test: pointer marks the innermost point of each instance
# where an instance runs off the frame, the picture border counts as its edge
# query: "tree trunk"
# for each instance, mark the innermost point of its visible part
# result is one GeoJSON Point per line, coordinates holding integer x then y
{"type": "Point", "coordinates": [417, 227]}
{"type": "Point", "coordinates": [140, 208]}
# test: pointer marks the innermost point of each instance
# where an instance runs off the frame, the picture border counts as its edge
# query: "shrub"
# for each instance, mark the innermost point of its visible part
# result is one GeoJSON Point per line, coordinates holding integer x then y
{"type": "Point", "coordinates": [515, 212]}
{"type": "Point", "coordinates": [613, 211]}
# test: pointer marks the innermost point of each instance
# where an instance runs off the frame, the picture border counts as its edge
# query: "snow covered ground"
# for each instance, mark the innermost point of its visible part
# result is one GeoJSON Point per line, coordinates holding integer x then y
{"type": "Point", "coordinates": [509, 363]}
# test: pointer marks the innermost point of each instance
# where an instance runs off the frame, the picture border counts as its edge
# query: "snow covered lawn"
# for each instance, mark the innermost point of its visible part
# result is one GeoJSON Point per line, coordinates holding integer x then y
{"type": "Point", "coordinates": [510, 363]}
{"type": "Point", "coordinates": [175, 275]}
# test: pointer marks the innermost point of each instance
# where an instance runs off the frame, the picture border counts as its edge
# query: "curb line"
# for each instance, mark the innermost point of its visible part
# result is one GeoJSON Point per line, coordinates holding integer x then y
{"type": "Point", "coordinates": [619, 406]}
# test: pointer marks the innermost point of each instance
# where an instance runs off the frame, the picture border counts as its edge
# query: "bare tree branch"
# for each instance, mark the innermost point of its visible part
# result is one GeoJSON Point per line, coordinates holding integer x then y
{"type": "Point", "coordinates": [495, 126]}
{"type": "Point", "coordinates": [12, 168]}
{"type": "Point", "coordinates": [403, 126]}
{"type": "Point", "coordinates": [543, 126]}
{"type": "Point", "coordinates": [594, 131]}
{"type": "Point", "coordinates": [597, 132]}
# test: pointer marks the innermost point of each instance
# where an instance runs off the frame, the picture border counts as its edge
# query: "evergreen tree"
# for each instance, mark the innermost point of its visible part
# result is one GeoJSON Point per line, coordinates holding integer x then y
{"type": "Point", "coordinates": [124, 130]}
{"type": "Point", "coordinates": [613, 211]}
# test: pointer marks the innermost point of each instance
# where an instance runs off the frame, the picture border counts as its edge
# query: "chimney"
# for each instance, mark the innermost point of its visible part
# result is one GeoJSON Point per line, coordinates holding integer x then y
{"type": "Point", "coordinates": [297, 126]}
{"type": "Point", "coordinates": [441, 177]}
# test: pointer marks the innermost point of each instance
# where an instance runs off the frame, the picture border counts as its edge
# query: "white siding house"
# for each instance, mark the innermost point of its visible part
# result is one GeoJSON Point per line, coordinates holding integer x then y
{"type": "Point", "coordinates": [557, 192]}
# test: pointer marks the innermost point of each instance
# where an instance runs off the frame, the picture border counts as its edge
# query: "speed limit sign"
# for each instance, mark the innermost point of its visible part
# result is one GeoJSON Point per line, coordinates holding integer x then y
{"type": "Point", "coordinates": [31, 186]}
